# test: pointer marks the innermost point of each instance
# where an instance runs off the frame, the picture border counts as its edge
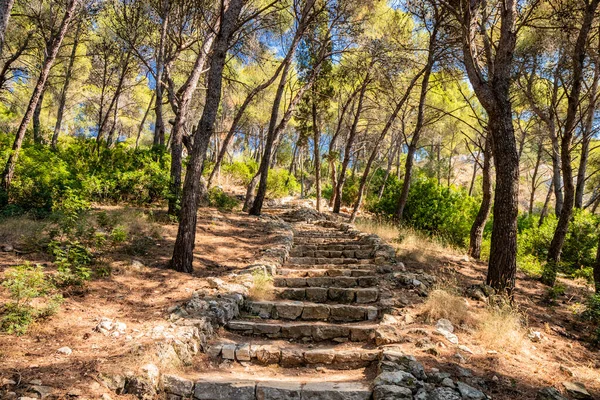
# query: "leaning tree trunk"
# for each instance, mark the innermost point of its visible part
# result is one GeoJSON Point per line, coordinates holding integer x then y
{"type": "Point", "coordinates": [349, 143]}
{"type": "Point", "coordinates": [597, 269]}
{"type": "Point", "coordinates": [159, 124]}
{"type": "Point", "coordinates": [544, 212]}
{"type": "Point", "coordinates": [9, 169]}
{"type": "Point", "coordinates": [476, 235]}
{"type": "Point", "coordinates": [534, 176]}
{"type": "Point", "coordinates": [412, 148]}
{"type": "Point", "coordinates": [37, 125]}
{"type": "Point", "coordinates": [183, 252]}
{"type": "Point", "coordinates": [143, 122]}
{"type": "Point", "coordinates": [5, 8]}
{"type": "Point", "coordinates": [560, 234]}
{"type": "Point", "coordinates": [317, 153]}
{"type": "Point", "coordinates": [63, 93]}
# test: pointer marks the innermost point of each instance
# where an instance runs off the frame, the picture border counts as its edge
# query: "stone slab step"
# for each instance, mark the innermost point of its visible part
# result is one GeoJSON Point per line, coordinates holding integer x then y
{"type": "Point", "coordinates": [326, 281]}
{"type": "Point", "coordinates": [324, 295]}
{"type": "Point", "coordinates": [328, 260]}
{"type": "Point", "coordinates": [308, 311]}
{"type": "Point", "coordinates": [307, 240]}
{"type": "Point", "coordinates": [305, 331]}
{"type": "Point", "coordinates": [333, 247]}
{"type": "Point", "coordinates": [235, 389]}
{"type": "Point", "coordinates": [323, 253]}
{"type": "Point", "coordinates": [292, 355]}
{"type": "Point", "coordinates": [335, 271]}
{"type": "Point", "coordinates": [290, 265]}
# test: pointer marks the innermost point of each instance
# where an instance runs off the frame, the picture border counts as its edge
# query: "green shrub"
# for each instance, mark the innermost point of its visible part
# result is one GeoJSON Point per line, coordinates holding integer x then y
{"type": "Point", "coordinates": [241, 171]}
{"type": "Point", "coordinates": [221, 200]}
{"type": "Point", "coordinates": [586, 273]}
{"type": "Point", "coordinates": [530, 265]}
{"type": "Point", "coordinates": [24, 284]}
{"type": "Point", "coordinates": [118, 234]}
{"type": "Point", "coordinates": [72, 260]}
{"type": "Point", "coordinates": [280, 183]}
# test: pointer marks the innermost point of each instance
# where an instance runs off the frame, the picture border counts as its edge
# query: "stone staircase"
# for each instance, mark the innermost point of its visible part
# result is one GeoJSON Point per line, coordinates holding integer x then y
{"type": "Point", "coordinates": [322, 317]}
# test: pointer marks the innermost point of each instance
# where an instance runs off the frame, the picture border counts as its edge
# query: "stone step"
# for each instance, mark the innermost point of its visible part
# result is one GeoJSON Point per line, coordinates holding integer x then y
{"type": "Point", "coordinates": [315, 241]}
{"type": "Point", "coordinates": [334, 247]}
{"type": "Point", "coordinates": [328, 260]}
{"type": "Point", "coordinates": [305, 331]}
{"type": "Point", "coordinates": [357, 254]}
{"type": "Point", "coordinates": [326, 281]}
{"type": "Point", "coordinates": [238, 389]}
{"type": "Point", "coordinates": [307, 311]}
{"type": "Point", "coordinates": [293, 355]}
{"type": "Point", "coordinates": [373, 267]}
{"type": "Point", "coordinates": [323, 295]}
{"type": "Point", "coordinates": [303, 273]}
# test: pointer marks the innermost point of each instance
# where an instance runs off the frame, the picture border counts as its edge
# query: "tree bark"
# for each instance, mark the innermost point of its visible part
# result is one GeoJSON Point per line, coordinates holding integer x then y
{"type": "Point", "coordinates": [349, 143]}
{"type": "Point", "coordinates": [141, 128]}
{"type": "Point", "coordinates": [5, 8]}
{"type": "Point", "coordinates": [476, 234]}
{"type": "Point", "coordinates": [9, 169]}
{"type": "Point", "coordinates": [384, 131]}
{"type": "Point", "coordinates": [597, 270]}
{"type": "Point", "coordinates": [544, 212]}
{"type": "Point", "coordinates": [394, 147]}
{"type": "Point", "coordinates": [63, 93]}
{"type": "Point", "coordinates": [159, 124]}
{"type": "Point", "coordinates": [412, 147]}
{"type": "Point", "coordinates": [534, 176]}
{"type": "Point", "coordinates": [37, 126]}
{"type": "Point", "coordinates": [185, 94]}
{"type": "Point", "coordinates": [317, 152]}
{"type": "Point", "coordinates": [579, 54]}
{"type": "Point", "coordinates": [183, 253]}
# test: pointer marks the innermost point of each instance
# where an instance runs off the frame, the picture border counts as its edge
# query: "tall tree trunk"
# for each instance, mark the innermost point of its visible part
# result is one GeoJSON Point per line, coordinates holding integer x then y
{"type": "Point", "coordinates": [182, 109]}
{"type": "Point", "coordinates": [587, 135]}
{"type": "Point", "coordinates": [62, 101]}
{"type": "Point", "coordinates": [476, 234]}
{"type": "Point", "coordinates": [544, 212]}
{"type": "Point", "coordinates": [317, 152]}
{"type": "Point", "coordinates": [474, 176]}
{"type": "Point", "coordinates": [9, 169]}
{"type": "Point", "coordinates": [183, 252]}
{"type": "Point", "coordinates": [412, 148]}
{"type": "Point", "coordinates": [159, 124]}
{"type": "Point", "coordinates": [349, 143]}
{"type": "Point", "coordinates": [384, 131]}
{"type": "Point", "coordinates": [558, 240]}
{"type": "Point", "coordinates": [388, 171]}
{"type": "Point", "coordinates": [534, 176]}
{"type": "Point", "coordinates": [37, 125]}
{"type": "Point", "coordinates": [141, 128]}
{"type": "Point", "coordinates": [5, 8]}
{"type": "Point", "coordinates": [556, 174]}
{"type": "Point", "coordinates": [113, 127]}
{"type": "Point", "coordinates": [597, 269]}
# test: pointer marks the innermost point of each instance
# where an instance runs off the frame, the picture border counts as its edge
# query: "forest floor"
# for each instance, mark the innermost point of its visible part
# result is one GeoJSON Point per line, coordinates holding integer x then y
{"type": "Point", "coordinates": [140, 290]}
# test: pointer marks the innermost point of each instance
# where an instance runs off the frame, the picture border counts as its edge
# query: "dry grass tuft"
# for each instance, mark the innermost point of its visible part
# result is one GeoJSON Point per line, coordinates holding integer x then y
{"type": "Point", "coordinates": [501, 327]}
{"type": "Point", "coordinates": [23, 232]}
{"type": "Point", "coordinates": [410, 243]}
{"type": "Point", "coordinates": [444, 304]}
{"type": "Point", "coordinates": [262, 287]}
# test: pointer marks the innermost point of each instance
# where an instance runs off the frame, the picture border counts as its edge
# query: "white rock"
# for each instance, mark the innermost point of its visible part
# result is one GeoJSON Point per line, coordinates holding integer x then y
{"type": "Point", "coordinates": [152, 372]}
{"type": "Point", "coordinates": [535, 336]}
{"type": "Point", "coordinates": [65, 350]}
{"type": "Point", "coordinates": [120, 326]}
{"type": "Point", "coordinates": [451, 337]}
{"type": "Point", "coordinates": [444, 324]}
{"type": "Point", "coordinates": [465, 349]}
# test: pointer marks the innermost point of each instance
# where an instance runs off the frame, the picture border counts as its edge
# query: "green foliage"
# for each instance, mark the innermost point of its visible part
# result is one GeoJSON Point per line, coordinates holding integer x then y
{"type": "Point", "coordinates": [241, 171]}
{"type": "Point", "coordinates": [221, 200]}
{"type": "Point", "coordinates": [118, 234]}
{"type": "Point", "coordinates": [24, 284]}
{"type": "Point", "coordinates": [72, 260]}
{"type": "Point", "coordinates": [69, 209]}
{"type": "Point", "coordinates": [592, 312]}
{"type": "Point", "coordinates": [530, 265]}
{"type": "Point", "coordinates": [78, 173]}
{"type": "Point", "coordinates": [447, 212]}
{"type": "Point", "coordinates": [556, 291]}
{"type": "Point", "coordinates": [281, 184]}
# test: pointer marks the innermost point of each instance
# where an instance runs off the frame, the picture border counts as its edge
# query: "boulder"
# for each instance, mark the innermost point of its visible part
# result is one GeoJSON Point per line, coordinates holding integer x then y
{"type": "Point", "coordinates": [549, 393]}
{"type": "Point", "coordinates": [469, 393]}
{"type": "Point", "coordinates": [391, 392]}
{"type": "Point", "coordinates": [577, 390]}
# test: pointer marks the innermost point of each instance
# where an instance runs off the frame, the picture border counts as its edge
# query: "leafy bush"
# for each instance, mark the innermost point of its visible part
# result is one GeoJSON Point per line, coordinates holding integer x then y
{"type": "Point", "coordinates": [118, 234]}
{"type": "Point", "coordinates": [218, 198]}
{"type": "Point", "coordinates": [280, 183]}
{"type": "Point", "coordinates": [531, 265]}
{"type": "Point", "coordinates": [26, 283]}
{"type": "Point", "coordinates": [72, 260]}
{"type": "Point", "coordinates": [241, 171]}
{"type": "Point", "coordinates": [592, 312]}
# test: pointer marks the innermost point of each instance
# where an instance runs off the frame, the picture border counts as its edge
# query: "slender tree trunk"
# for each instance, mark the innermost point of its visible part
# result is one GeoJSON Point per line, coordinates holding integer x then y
{"type": "Point", "coordinates": [159, 124]}
{"type": "Point", "coordinates": [538, 160]}
{"type": "Point", "coordinates": [544, 212]}
{"type": "Point", "coordinates": [558, 240]}
{"type": "Point", "coordinates": [349, 143]}
{"type": "Point", "coordinates": [182, 109]}
{"type": "Point", "coordinates": [9, 169]}
{"type": "Point", "coordinates": [384, 131]}
{"type": "Point", "coordinates": [141, 128]}
{"type": "Point", "coordinates": [388, 171]}
{"type": "Point", "coordinates": [113, 127]}
{"type": "Point", "coordinates": [5, 8]}
{"type": "Point", "coordinates": [37, 125]}
{"type": "Point", "coordinates": [317, 152]}
{"type": "Point", "coordinates": [597, 270]}
{"type": "Point", "coordinates": [412, 148]}
{"type": "Point", "coordinates": [183, 252]}
{"type": "Point", "coordinates": [63, 93]}
{"type": "Point", "coordinates": [474, 176]}
{"type": "Point", "coordinates": [556, 174]}
{"type": "Point", "coordinates": [476, 235]}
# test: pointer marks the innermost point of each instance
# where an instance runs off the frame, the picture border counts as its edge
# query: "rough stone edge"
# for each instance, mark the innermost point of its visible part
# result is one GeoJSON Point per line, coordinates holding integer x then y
{"type": "Point", "coordinates": [196, 320]}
